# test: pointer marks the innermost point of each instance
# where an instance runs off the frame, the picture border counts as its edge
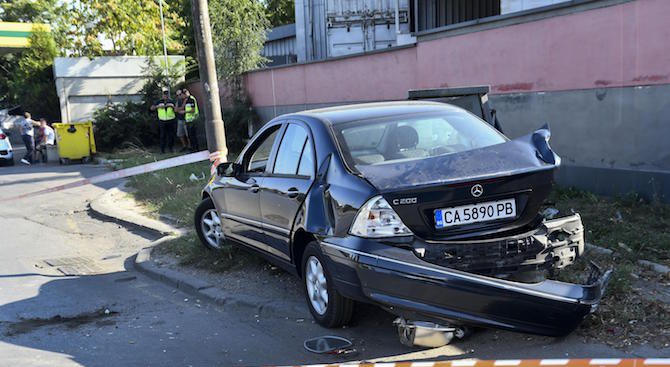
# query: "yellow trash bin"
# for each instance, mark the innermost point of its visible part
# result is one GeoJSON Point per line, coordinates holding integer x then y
{"type": "Point", "coordinates": [75, 141]}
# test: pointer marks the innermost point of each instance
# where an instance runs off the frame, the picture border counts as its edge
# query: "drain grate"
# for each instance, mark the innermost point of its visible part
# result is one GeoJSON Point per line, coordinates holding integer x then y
{"type": "Point", "coordinates": [74, 265]}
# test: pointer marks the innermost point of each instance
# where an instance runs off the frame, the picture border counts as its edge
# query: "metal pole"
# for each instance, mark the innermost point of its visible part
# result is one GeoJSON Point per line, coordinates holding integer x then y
{"type": "Point", "coordinates": [397, 20]}
{"type": "Point", "coordinates": [167, 74]}
{"type": "Point", "coordinates": [216, 137]}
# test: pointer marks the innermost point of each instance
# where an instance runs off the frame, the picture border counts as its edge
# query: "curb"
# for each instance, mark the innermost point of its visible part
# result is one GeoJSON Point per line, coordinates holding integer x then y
{"type": "Point", "coordinates": [104, 207]}
{"type": "Point", "coordinates": [203, 290]}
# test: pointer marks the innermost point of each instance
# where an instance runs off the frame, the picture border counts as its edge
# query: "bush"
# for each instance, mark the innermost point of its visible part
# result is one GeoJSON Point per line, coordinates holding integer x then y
{"type": "Point", "coordinates": [119, 125]}
{"type": "Point", "coordinates": [236, 120]}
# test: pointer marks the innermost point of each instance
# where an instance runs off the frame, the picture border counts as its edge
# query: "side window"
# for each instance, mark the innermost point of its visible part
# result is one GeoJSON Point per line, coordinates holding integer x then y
{"type": "Point", "coordinates": [306, 167]}
{"type": "Point", "coordinates": [259, 158]}
{"type": "Point", "coordinates": [288, 155]}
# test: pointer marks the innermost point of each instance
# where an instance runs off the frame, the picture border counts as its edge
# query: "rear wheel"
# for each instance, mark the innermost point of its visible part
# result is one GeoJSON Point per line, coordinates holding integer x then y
{"type": "Point", "coordinates": [208, 225]}
{"type": "Point", "coordinates": [328, 307]}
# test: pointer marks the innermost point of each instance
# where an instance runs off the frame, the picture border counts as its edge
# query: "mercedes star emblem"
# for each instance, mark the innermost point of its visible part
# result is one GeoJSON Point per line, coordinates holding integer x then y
{"type": "Point", "coordinates": [477, 190]}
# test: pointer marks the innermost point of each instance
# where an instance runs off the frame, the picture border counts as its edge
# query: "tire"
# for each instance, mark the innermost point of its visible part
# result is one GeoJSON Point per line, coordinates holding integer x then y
{"type": "Point", "coordinates": [337, 310]}
{"type": "Point", "coordinates": [208, 225]}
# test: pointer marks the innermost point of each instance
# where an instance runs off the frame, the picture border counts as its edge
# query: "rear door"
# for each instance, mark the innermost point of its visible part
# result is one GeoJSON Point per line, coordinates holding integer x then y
{"type": "Point", "coordinates": [241, 215]}
{"type": "Point", "coordinates": [284, 188]}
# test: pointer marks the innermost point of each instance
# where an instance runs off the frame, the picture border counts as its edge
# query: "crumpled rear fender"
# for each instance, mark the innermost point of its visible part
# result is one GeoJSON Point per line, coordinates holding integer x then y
{"type": "Point", "coordinates": [395, 278]}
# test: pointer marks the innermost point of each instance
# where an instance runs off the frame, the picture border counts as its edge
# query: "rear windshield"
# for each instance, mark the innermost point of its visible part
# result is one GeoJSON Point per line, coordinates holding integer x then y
{"type": "Point", "coordinates": [416, 136]}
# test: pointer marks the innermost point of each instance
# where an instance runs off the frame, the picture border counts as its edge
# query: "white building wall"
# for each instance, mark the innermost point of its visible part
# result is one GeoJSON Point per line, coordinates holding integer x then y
{"type": "Point", "coordinates": [84, 85]}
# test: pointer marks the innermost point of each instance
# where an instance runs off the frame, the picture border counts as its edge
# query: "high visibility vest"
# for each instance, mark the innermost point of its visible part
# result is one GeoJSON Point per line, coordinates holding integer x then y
{"type": "Point", "coordinates": [191, 109]}
{"type": "Point", "coordinates": [165, 113]}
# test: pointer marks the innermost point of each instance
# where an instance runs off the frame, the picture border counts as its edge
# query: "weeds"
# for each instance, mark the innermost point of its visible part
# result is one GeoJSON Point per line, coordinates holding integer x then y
{"type": "Point", "coordinates": [627, 224]}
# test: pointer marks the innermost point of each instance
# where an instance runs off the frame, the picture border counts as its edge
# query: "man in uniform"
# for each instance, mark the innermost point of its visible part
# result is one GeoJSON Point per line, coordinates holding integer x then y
{"type": "Point", "coordinates": [191, 116]}
{"type": "Point", "coordinates": [167, 121]}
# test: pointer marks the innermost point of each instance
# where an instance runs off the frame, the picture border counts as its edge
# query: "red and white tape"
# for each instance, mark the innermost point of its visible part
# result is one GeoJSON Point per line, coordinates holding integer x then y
{"type": "Point", "coordinates": [216, 158]}
{"type": "Point", "coordinates": [594, 362]}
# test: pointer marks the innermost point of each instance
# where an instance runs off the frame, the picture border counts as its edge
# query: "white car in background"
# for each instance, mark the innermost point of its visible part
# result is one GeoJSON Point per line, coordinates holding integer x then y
{"type": "Point", "coordinates": [6, 151]}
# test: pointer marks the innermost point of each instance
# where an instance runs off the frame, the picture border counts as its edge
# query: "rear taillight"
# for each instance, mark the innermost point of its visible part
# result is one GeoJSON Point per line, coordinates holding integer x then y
{"type": "Point", "coordinates": [3, 136]}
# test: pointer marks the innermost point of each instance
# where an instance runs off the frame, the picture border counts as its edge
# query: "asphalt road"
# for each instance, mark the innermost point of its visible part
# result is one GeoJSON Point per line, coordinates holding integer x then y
{"type": "Point", "coordinates": [69, 296]}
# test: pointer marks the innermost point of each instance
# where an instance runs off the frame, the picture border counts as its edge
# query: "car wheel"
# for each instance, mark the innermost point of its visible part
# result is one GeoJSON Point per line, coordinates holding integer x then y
{"type": "Point", "coordinates": [328, 307]}
{"type": "Point", "coordinates": [208, 225]}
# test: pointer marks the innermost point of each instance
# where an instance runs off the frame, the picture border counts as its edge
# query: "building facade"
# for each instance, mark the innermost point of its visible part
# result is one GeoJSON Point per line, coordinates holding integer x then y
{"type": "Point", "coordinates": [597, 71]}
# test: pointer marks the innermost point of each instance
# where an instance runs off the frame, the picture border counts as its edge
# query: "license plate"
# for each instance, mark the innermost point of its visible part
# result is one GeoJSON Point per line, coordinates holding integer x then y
{"type": "Point", "coordinates": [475, 213]}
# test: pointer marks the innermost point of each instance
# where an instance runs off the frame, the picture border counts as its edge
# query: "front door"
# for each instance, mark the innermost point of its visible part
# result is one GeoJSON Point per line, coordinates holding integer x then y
{"type": "Point", "coordinates": [241, 216]}
{"type": "Point", "coordinates": [284, 188]}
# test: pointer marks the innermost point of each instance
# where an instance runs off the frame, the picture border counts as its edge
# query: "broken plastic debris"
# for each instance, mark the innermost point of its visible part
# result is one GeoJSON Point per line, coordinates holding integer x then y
{"type": "Point", "coordinates": [194, 178]}
{"type": "Point", "coordinates": [329, 345]}
{"type": "Point", "coordinates": [549, 213]}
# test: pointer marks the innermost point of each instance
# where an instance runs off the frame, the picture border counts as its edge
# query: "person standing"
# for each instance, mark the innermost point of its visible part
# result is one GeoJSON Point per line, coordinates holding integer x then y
{"type": "Point", "coordinates": [191, 116]}
{"type": "Point", "coordinates": [181, 125]}
{"type": "Point", "coordinates": [26, 125]}
{"type": "Point", "coordinates": [45, 138]}
{"type": "Point", "coordinates": [167, 123]}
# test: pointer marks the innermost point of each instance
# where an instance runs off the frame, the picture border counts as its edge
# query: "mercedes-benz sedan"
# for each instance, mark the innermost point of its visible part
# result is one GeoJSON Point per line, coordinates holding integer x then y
{"type": "Point", "coordinates": [419, 207]}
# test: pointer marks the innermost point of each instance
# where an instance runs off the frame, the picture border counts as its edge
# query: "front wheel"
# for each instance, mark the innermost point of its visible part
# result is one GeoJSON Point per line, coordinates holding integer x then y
{"type": "Point", "coordinates": [208, 225]}
{"type": "Point", "coordinates": [328, 307]}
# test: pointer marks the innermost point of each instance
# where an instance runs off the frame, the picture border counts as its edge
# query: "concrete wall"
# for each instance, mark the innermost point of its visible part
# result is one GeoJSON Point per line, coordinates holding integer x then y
{"type": "Point", "coordinates": [597, 71]}
{"type": "Point", "coordinates": [84, 85]}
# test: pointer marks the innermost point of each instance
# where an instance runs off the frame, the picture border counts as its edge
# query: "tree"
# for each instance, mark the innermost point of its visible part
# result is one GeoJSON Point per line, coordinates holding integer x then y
{"type": "Point", "coordinates": [31, 82]}
{"type": "Point", "coordinates": [280, 12]}
{"type": "Point", "coordinates": [239, 29]}
{"type": "Point", "coordinates": [123, 27]}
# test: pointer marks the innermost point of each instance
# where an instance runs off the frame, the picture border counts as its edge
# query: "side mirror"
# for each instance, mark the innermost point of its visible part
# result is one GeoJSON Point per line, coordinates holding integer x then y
{"type": "Point", "coordinates": [228, 169]}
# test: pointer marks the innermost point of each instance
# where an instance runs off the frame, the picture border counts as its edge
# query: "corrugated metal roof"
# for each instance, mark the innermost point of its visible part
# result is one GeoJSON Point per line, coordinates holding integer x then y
{"type": "Point", "coordinates": [283, 31]}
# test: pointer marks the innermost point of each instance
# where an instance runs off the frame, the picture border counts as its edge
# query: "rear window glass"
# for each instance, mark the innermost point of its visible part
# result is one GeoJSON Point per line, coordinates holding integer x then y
{"type": "Point", "coordinates": [416, 136]}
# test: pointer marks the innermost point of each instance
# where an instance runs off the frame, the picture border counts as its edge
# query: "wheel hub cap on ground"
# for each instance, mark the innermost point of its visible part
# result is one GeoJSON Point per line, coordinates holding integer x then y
{"type": "Point", "coordinates": [317, 287]}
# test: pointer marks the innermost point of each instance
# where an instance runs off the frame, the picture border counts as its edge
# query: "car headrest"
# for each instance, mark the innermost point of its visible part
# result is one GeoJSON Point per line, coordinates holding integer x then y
{"type": "Point", "coordinates": [406, 137]}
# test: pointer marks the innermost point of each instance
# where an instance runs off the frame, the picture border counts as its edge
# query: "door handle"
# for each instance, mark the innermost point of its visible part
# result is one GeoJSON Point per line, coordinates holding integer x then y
{"type": "Point", "coordinates": [292, 192]}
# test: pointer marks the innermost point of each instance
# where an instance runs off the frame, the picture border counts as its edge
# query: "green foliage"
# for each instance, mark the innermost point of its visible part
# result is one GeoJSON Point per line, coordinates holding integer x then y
{"type": "Point", "coordinates": [237, 119]}
{"type": "Point", "coordinates": [30, 82]}
{"type": "Point", "coordinates": [132, 27]}
{"type": "Point", "coordinates": [238, 29]}
{"type": "Point", "coordinates": [627, 224]}
{"type": "Point", "coordinates": [280, 12]}
{"type": "Point", "coordinates": [119, 125]}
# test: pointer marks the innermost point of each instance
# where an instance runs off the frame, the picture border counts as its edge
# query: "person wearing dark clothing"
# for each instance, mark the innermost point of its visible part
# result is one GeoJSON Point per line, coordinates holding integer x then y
{"type": "Point", "coordinates": [167, 121]}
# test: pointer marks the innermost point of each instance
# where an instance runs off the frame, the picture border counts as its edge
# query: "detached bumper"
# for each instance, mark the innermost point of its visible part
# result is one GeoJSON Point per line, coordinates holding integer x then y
{"type": "Point", "coordinates": [397, 279]}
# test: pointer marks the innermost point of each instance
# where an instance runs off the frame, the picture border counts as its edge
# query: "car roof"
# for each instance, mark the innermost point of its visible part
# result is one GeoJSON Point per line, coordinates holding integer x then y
{"type": "Point", "coordinates": [365, 111]}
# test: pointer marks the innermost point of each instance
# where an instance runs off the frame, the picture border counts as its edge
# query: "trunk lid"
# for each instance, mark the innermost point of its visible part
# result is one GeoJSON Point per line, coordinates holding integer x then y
{"type": "Point", "coordinates": [520, 169]}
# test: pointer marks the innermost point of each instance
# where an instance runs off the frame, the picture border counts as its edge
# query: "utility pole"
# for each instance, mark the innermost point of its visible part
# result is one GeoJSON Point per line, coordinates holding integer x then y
{"type": "Point", "coordinates": [167, 73]}
{"type": "Point", "coordinates": [216, 136]}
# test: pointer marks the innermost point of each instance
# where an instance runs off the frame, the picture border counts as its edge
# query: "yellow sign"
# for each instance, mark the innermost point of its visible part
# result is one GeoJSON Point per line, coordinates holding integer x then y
{"type": "Point", "coordinates": [17, 35]}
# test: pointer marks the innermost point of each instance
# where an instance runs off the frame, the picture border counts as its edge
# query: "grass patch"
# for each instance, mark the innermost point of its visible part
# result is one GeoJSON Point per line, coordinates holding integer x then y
{"type": "Point", "coordinates": [626, 224]}
{"type": "Point", "coordinates": [170, 191]}
{"type": "Point", "coordinates": [190, 252]}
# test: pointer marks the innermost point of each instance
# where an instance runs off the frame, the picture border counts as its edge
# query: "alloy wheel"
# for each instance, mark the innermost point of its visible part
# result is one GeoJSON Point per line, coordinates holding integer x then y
{"type": "Point", "coordinates": [211, 228]}
{"type": "Point", "coordinates": [317, 286]}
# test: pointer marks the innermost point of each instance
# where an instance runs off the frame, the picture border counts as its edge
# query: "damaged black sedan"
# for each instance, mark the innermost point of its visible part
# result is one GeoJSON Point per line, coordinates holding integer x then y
{"type": "Point", "coordinates": [419, 207]}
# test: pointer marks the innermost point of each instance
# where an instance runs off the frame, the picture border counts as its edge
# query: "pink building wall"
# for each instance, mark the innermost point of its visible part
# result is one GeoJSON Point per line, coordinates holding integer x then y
{"type": "Point", "coordinates": [621, 45]}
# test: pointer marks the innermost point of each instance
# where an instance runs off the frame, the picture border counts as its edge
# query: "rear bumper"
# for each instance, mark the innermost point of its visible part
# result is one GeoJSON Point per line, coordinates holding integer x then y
{"type": "Point", "coordinates": [408, 286]}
